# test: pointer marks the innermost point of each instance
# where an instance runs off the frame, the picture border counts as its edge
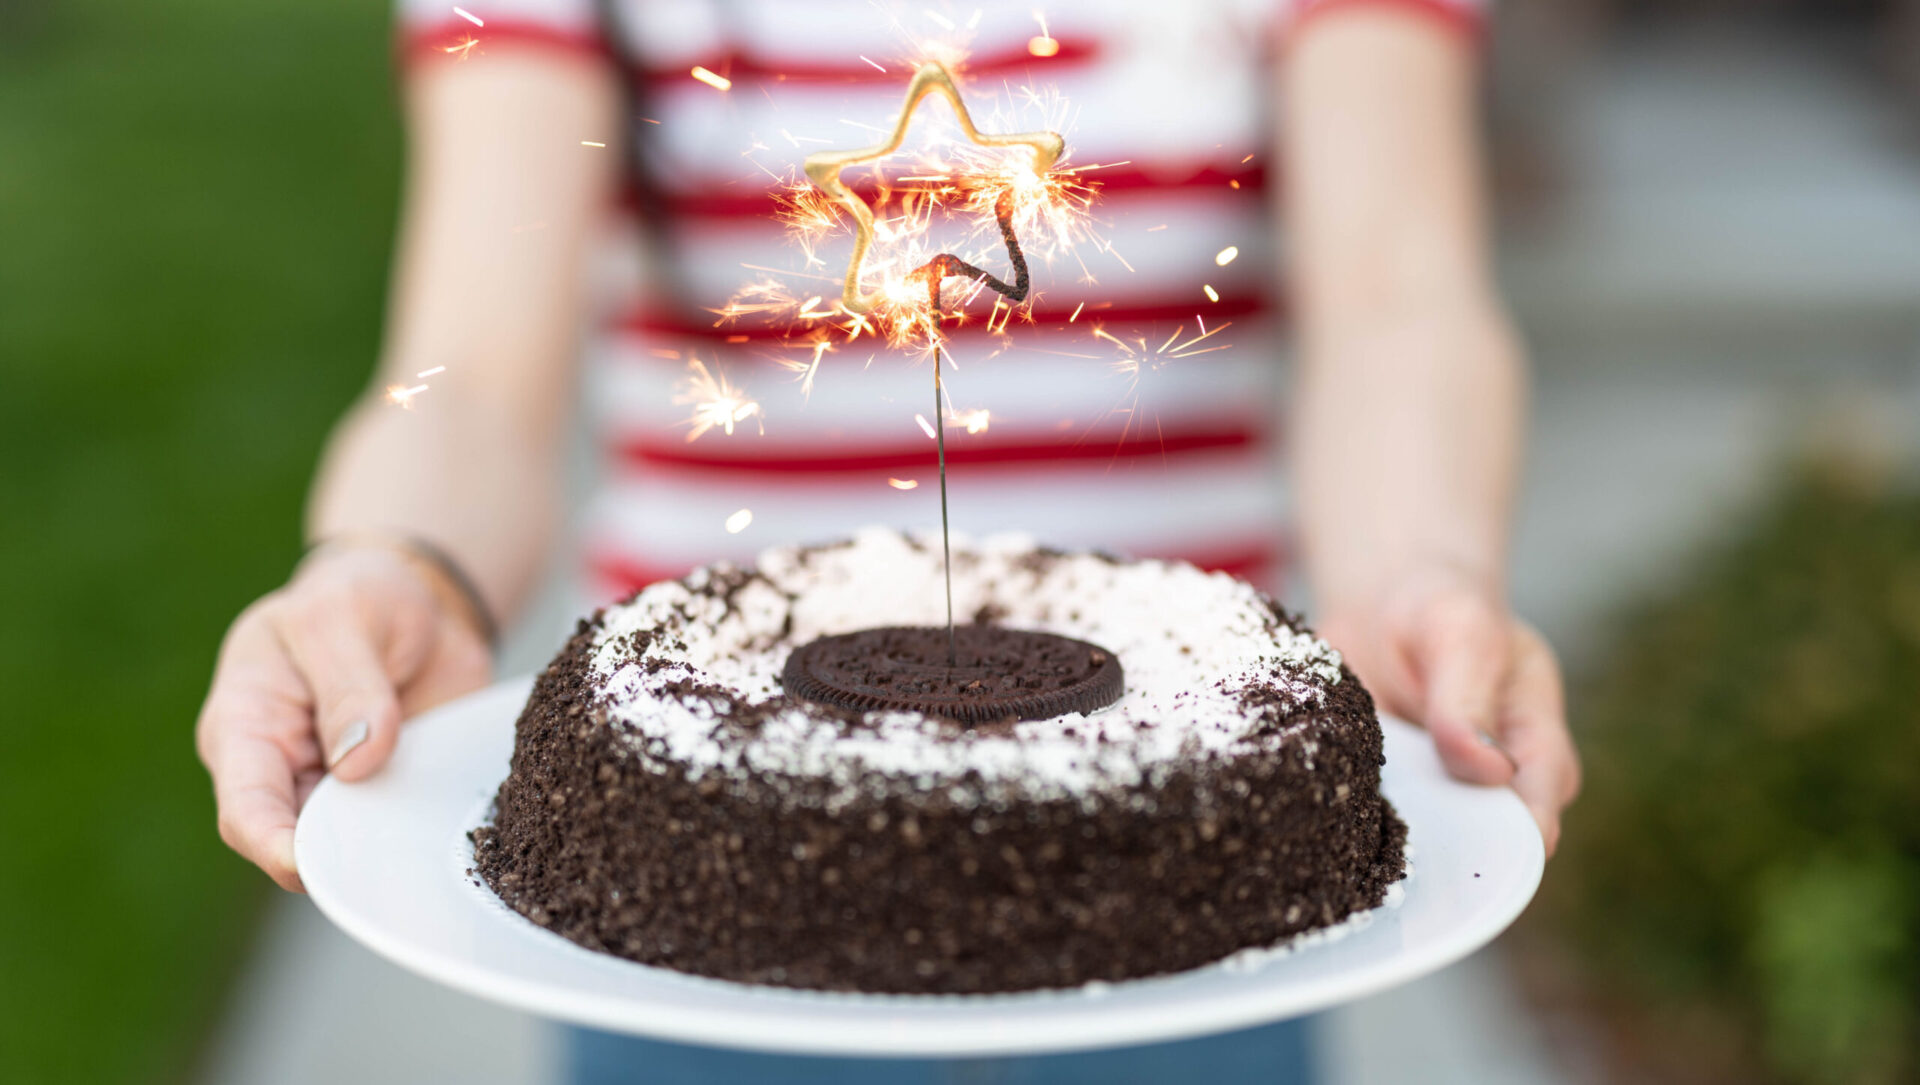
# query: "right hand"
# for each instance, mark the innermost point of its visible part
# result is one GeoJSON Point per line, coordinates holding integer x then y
{"type": "Point", "coordinates": [316, 677]}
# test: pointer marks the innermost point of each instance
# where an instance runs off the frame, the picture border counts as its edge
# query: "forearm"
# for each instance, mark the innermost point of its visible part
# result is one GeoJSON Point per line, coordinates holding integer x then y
{"type": "Point", "coordinates": [1408, 432]}
{"type": "Point", "coordinates": [468, 480]}
{"type": "Point", "coordinates": [1411, 386]}
{"type": "Point", "coordinates": [488, 297]}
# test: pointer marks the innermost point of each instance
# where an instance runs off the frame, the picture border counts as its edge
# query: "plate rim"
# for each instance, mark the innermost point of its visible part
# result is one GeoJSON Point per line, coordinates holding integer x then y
{"type": "Point", "coordinates": [901, 1024]}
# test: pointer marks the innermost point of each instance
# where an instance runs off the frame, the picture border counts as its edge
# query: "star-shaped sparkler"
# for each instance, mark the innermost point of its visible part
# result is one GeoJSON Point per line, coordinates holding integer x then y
{"type": "Point", "coordinates": [824, 168]}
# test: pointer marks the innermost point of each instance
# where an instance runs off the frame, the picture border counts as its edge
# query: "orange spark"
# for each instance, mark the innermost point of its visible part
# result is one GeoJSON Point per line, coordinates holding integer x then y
{"type": "Point", "coordinates": [401, 396]}
{"type": "Point", "coordinates": [1043, 43]}
{"type": "Point", "coordinates": [1212, 294]}
{"type": "Point", "coordinates": [976, 420]}
{"type": "Point", "coordinates": [717, 82]}
{"type": "Point", "coordinates": [903, 483]}
{"type": "Point", "coordinates": [716, 402]}
{"type": "Point", "coordinates": [463, 47]}
{"type": "Point", "coordinates": [806, 370]}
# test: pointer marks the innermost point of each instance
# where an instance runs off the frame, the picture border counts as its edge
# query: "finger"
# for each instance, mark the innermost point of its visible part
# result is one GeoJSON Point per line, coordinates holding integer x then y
{"type": "Point", "coordinates": [1463, 651]}
{"type": "Point", "coordinates": [356, 710]}
{"type": "Point", "coordinates": [459, 664]}
{"type": "Point", "coordinates": [1382, 666]}
{"type": "Point", "coordinates": [303, 785]}
{"type": "Point", "coordinates": [254, 790]}
{"type": "Point", "coordinates": [1535, 728]}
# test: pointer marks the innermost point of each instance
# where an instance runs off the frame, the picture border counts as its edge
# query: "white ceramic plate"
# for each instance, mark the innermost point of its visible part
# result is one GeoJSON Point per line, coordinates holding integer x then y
{"type": "Point", "coordinates": [386, 859]}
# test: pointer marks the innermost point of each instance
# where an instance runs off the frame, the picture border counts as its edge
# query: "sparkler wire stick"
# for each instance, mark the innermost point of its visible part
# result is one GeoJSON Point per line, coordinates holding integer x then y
{"type": "Point", "coordinates": [824, 169]}
{"type": "Point", "coordinates": [946, 536]}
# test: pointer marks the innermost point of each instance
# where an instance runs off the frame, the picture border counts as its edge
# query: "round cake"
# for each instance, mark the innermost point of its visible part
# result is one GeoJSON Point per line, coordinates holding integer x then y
{"type": "Point", "coordinates": [672, 801]}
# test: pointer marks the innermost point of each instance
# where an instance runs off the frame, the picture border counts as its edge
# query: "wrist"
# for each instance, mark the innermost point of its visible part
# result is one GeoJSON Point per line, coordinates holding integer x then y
{"type": "Point", "coordinates": [453, 590]}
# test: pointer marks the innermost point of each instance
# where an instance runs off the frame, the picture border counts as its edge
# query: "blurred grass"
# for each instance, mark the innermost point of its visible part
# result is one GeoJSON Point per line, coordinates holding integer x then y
{"type": "Point", "coordinates": [195, 209]}
{"type": "Point", "coordinates": [1738, 895]}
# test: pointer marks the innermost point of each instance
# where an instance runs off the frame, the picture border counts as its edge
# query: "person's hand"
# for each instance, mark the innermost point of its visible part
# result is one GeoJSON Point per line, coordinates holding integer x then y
{"type": "Point", "coordinates": [1442, 652]}
{"type": "Point", "coordinates": [316, 677]}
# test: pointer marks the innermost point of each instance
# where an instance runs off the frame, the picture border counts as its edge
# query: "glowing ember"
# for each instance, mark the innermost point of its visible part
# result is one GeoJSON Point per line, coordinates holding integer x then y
{"type": "Point", "coordinates": [717, 82]}
{"type": "Point", "coordinates": [975, 421]}
{"type": "Point", "coordinates": [402, 396]}
{"type": "Point", "coordinates": [716, 402]}
{"type": "Point", "coordinates": [1043, 46]}
{"type": "Point", "coordinates": [903, 483]}
{"type": "Point", "coordinates": [1226, 256]}
{"type": "Point", "coordinates": [738, 521]}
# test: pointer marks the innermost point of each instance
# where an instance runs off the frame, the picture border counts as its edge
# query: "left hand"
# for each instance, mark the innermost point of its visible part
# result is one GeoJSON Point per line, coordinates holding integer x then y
{"type": "Point", "coordinates": [1439, 650]}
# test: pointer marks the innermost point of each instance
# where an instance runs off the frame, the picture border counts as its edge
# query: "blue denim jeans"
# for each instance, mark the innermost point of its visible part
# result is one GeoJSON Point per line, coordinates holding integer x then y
{"type": "Point", "coordinates": [1277, 1054]}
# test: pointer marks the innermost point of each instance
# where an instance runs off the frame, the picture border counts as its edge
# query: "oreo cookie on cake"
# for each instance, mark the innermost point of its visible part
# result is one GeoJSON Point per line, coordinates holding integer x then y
{"type": "Point", "coordinates": [973, 674]}
{"type": "Point", "coordinates": [778, 775]}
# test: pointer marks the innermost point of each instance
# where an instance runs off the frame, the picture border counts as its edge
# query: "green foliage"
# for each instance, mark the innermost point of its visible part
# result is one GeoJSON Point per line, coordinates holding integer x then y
{"type": "Point", "coordinates": [1747, 853]}
{"type": "Point", "coordinates": [195, 206]}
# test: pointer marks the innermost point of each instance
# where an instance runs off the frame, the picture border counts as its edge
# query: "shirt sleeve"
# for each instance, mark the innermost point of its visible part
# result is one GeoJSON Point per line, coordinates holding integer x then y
{"type": "Point", "coordinates": [1466, 15]}
{"type": "Point", "coordinates": [436, 28]}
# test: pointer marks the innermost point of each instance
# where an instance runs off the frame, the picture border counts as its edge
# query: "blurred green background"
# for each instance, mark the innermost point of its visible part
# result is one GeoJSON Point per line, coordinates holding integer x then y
{"type": "Point", "coordinates": [195, 211]}
{"type": "Point", "coordinates": [1742, 899]}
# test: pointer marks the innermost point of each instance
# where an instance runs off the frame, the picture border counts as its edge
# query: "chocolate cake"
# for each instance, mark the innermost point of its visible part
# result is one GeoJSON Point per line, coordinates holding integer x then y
{"type": "Point", "coordinates": [672, 802]}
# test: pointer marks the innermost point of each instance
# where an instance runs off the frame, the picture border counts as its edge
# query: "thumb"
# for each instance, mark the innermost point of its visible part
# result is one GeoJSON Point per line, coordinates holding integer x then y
{"type": "Point", "coordinates": [1463, 653]}
{"type": "Point", "coordinates": [356, 708]}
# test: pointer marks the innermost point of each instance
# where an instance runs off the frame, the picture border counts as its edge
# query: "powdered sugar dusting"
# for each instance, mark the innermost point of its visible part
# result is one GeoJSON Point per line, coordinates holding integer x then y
{"type": "Point", "coordinates": [1192, 644]}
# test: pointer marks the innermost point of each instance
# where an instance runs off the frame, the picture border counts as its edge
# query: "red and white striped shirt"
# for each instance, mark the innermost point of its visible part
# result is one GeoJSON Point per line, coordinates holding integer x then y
{"type": "Point", "coordinates": [1173, 457]}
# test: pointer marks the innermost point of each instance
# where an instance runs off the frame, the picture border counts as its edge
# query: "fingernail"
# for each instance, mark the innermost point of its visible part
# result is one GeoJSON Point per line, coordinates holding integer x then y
{"type": "Point", "coordinates": [1492, 743]}
{"type": "Point", "coordinates": [354, 736]}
